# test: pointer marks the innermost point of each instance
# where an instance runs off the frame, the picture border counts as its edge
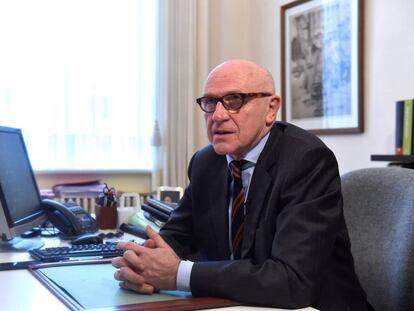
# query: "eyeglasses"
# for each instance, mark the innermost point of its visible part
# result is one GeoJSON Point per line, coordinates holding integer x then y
{"type": "Point", "coordinates": [232, 102]}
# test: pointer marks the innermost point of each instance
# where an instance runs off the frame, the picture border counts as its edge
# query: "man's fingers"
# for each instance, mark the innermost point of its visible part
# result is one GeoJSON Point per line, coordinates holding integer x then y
{"type": "Point", "coordinates": [129, 279]}
{"type": "Point", "coordinates": [130, 259]}
{"type": "Point", "coordinates": [118, 262]}
{"type": "Point", "coordinates": [149, 243]}
{"type": "Point", "coordinates": [126, 274]}
{"type": "Point", "coordinates": [133, 260]}
{"type": "Point", "coordinates": [128, 245]}
{"type": "Point", "coordinates": [153, 235]}
{"type": "Point", "coordinates": [145, 268]}
{"type": "Point", "coordinates": [142, 288]}
{"type": "Point", "coordinates": [155, 240]}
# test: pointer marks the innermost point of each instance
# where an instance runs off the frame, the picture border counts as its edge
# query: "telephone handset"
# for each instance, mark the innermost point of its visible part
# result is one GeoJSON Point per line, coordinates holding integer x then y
{"type": "Point", "coordinates": [71, 219]}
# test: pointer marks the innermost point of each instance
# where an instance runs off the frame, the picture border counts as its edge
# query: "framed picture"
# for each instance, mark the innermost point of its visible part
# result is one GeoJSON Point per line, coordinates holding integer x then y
{"type": "Point", "coordinates": [321, 49]}
{"type": "Point", "coordinates": [169, 194]}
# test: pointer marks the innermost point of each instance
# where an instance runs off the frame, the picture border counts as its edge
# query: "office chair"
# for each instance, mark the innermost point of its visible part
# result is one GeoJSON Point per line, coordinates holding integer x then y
{"type": "Point", "coordinates": [379, 211]}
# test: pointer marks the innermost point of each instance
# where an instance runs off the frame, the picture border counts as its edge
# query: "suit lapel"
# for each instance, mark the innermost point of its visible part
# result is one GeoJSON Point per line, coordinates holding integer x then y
{"type": "Point", "coordinates": [254, 205]}
{"type": "Point", "coordinates": [259, 185]}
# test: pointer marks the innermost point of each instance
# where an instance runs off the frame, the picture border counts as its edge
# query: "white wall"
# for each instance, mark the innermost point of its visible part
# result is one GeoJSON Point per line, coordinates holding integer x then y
{"type": "Point", "coordinates": [389, 76]}
{"type": "Point", "coordinates": [251, 29]}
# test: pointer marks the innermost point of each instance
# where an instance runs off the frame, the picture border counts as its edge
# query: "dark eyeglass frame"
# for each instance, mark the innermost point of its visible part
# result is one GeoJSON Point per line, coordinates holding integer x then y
{"type": "Point", "coordinates": [226, 101]}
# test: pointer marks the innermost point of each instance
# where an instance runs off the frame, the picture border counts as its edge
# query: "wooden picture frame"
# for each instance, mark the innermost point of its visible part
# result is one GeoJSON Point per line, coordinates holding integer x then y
{"type": "Point", "coordinates": [321, 65]}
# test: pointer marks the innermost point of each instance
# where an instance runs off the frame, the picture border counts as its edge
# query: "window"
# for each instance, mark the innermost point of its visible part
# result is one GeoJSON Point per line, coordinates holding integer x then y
{"type": "Point", "coordinates": [78, 77]}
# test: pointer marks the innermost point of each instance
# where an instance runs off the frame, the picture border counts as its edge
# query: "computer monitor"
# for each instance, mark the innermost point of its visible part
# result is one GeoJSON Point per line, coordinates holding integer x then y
{"type": "Point", "coordinates": [20, 202]}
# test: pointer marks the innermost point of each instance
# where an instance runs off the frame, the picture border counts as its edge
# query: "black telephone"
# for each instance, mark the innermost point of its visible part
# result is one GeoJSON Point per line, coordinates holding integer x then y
{"type": "Point", "coordinates": [71, 219]}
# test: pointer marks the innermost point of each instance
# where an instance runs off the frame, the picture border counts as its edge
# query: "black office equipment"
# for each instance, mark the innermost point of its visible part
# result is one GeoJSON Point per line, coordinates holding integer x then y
{"type": "Point", "coordinates": [162, 206]}
{"type": "Point", "coordinates": [21, 207]}
{"type": "Point", "coordinates": [36, 231]}
{"type": "Point", "coordinates": [159, 209]}
{"type": "Point", "coordinates": [20, 203]}
{"type": "Point", "coordinates": [153, 220]}
{"type": "Point", "coordinates": [88, 238]}
{"type": "Point", "coordinates": [71, 219]}
{"type": "Point", "coordinates": [52, 254]}
{"type": "Point", "coordinates": [161, 216]}
{"type": "Point", "coordinates": [134, 230]}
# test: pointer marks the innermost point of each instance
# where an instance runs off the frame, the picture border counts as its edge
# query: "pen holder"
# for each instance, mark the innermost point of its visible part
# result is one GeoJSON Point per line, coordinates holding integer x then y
{"type": "Point", "coordinates": [106, 217]}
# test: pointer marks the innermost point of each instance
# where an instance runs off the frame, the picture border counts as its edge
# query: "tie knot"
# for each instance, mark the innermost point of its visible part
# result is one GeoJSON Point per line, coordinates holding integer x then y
{"type": "Point", "coordinates": [236, 167]}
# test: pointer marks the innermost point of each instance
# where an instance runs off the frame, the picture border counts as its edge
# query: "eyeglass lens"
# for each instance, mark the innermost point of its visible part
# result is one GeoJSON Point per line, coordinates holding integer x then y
{"type": "Point", "coordinates": [230, 102]}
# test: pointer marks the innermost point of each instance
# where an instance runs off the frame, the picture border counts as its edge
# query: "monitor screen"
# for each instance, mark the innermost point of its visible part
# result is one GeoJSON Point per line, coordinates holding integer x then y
{"type": "Point", "coordinates": [20, 202]}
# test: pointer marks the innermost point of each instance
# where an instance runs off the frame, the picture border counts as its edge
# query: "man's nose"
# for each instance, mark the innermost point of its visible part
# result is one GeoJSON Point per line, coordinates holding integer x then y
{"type": "Point", "coordinates": [220, 113]}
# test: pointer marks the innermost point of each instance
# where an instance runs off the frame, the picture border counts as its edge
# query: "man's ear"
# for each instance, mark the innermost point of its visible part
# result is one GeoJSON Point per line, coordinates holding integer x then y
{"type": "Point", "coordinates": [273, 108]}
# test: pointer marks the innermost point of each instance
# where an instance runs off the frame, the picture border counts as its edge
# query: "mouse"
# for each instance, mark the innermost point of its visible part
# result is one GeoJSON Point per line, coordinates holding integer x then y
{"type": "Point", "coordinates": [87, 239]}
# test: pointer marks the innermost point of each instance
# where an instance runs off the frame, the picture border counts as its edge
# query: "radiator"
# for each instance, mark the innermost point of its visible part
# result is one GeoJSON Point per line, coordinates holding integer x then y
{"type": "Point", "coordinates": [88, 202]}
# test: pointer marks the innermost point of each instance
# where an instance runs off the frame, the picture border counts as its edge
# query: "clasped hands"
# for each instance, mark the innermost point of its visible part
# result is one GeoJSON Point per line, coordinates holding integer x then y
{"type": "Point", "coordinates": [147, 268]}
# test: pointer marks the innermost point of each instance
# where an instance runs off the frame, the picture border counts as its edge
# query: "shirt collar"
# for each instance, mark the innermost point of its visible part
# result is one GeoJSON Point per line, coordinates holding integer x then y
{"type": "Point", "coordinates": [253, 154]}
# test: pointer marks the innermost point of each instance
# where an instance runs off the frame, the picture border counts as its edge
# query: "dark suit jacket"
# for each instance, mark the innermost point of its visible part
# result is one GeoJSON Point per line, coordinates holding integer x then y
{"type": "Point", "coordinates": [296, 250]}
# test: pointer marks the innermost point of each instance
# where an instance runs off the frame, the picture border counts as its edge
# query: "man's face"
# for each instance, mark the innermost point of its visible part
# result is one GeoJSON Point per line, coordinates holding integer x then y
{"type": "Point", "coordinates": [235, 133]}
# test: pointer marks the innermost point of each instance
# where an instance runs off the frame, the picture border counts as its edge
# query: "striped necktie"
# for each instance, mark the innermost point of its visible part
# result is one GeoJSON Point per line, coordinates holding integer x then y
{"type": "Point", "coordinates": [237, 208]}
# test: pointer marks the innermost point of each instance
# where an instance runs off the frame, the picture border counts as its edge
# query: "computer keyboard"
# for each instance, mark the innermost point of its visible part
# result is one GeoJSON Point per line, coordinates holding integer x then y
{"type": "Point", "coordinates": [52, 254]}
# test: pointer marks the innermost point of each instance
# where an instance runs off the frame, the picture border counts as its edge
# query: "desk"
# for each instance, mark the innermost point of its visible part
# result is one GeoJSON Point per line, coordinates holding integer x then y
{"type": "Point", "coordinates": [20, 290]}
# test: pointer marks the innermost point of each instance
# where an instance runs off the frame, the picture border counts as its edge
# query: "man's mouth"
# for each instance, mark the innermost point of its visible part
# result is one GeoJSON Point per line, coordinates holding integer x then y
{"type": "Point", "coordinates": [221, 132]}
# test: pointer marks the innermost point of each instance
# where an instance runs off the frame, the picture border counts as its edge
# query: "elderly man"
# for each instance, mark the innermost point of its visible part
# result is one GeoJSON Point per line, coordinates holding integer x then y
{"type": "Point", "coordinates": [263, 210]}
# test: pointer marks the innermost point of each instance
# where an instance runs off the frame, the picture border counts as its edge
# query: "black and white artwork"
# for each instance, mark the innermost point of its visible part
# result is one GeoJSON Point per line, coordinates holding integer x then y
{"type": "Point", "coordinates": [320, 64]}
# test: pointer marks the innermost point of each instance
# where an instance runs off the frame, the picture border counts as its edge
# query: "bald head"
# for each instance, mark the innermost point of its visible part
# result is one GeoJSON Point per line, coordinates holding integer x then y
{"type": "Point", "coordinates": [241, 106]}
{"type": "Point", "coordinates": [246, 74]}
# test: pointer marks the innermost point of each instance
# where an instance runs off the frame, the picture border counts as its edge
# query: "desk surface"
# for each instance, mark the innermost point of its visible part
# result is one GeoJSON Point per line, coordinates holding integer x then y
{"type": "Point", "coordinates": [20, 290]}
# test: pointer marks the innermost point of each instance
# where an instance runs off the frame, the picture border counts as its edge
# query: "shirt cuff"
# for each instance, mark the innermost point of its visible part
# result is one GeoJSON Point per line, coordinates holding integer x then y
{"type": "Point", "coordinates": [184, 274]}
